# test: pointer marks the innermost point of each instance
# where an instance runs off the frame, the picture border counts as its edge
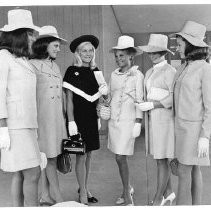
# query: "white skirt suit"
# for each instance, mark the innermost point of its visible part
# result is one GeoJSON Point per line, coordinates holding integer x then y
{"type": "Point", "coordinates": [18, 107]}
{"type": "Point", "coordinates": [159, 123]}
{"type": "Point", "coordinates": [123, 110]}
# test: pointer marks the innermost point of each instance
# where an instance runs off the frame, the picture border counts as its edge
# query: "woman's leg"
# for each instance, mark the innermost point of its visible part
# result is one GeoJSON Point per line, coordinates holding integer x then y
{"type": "Point", "coordinates": [52, 177]}
{"type": "Point", "coordinates": [30, 186]}
{"type": "Point", "coordinates": [45, 193]}
{"type": "Point", "coordinates": [184, 185]}
{"type": "Point", "coordinates": [87, 164]}
{"type": "Point", "coordinates": [163, 175]}
{"type": "Point", "coordinates": [168, 189]}
{"type": "Point", "coordinates": [124, 174]}
{"type": "Point", "coordinates": [17, 189]}
{"type": "Point", "coordinates": [81, 176]}
{"type": "Point", "coordinates": [197, 185]}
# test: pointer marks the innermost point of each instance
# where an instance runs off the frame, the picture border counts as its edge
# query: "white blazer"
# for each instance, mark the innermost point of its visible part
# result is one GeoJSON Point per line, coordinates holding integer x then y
{"type": "Point", "coordinates": [17, 92]}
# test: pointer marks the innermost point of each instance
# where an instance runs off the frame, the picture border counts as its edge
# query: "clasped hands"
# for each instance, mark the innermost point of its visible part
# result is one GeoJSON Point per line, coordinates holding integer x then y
{"type": "Point", "coordinates": [145, 106]}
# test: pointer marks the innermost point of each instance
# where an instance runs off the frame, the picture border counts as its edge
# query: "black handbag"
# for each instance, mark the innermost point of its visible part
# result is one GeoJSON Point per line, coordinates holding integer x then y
{"type": "Point", "coordinates": [64, 163]}
{"type": "Point", "coordinates": [174, 166]}
{"type": "Point", "coordinates": [74, 145]}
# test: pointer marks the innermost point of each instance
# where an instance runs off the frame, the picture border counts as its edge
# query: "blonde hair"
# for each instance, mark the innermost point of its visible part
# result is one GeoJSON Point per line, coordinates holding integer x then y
{"type": "Point", "coordinates": [78, 62]}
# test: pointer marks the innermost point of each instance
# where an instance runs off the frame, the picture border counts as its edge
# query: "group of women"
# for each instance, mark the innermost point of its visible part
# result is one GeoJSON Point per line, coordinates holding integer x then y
{"type": "Point", "coordinates": [176, 104]}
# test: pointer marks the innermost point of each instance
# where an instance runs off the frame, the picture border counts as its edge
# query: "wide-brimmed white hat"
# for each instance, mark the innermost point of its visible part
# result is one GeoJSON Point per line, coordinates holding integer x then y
{"type": "Point", "coordinates": [194, 33]}
{"type": "Point", "coordinates": [157, 43]}
{"type": "Point", "coordinates": [125, 42]}
{"type": "Point", "coordinates": [50, 31]}
{"type": "Point", "coordinates": [19, 18]}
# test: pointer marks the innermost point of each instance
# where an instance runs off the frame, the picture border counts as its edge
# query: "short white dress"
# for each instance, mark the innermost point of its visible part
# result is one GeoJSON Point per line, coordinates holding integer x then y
{"type": "Point", "coordinates": [123, 109]}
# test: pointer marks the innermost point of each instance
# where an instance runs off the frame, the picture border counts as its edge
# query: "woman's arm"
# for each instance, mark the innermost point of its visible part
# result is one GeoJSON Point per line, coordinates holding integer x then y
{"type": "Point", "coordinates": [168, 79]}
{"type": "Point", "coordinates": [69, 106]}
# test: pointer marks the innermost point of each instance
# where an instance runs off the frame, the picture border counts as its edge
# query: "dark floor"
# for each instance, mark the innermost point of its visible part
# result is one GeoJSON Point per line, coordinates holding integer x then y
{"type": "Point", "coordinates": [105, 183]}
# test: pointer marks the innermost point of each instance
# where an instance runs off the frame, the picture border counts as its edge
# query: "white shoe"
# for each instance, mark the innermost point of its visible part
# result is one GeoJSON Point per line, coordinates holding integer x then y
{"type": "Point", "coordinates": [170, 198]}
{"type": "Point", "coordinates": [121, 200]}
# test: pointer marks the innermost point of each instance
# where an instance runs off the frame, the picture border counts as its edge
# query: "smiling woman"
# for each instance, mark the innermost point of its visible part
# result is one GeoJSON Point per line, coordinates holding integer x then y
{"type": "Point", "coordinates": [51, 125]}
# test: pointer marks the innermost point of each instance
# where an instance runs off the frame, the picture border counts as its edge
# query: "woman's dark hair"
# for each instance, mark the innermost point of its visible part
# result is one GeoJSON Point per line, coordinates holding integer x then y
{"type": "Point", "coordinates": [16, 42]}
{"type": "Point", "coordinates": [193, 53]}
{"type": "Point", "coordinates": [40, 46]}
{"type": "Point", "coordinates": [130, 51]}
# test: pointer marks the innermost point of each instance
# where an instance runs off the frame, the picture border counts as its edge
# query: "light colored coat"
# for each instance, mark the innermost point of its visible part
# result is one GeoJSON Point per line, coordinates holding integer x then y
{"type": "Point", "coordinates": [194, 103]}
{"type": "Point", "coordinates": [123, 109]}
{"type": "Point", "coordinates": [17, 92]}
{"type": "Point", "coordinates": [192, 109]}
{"type": "Point", "coordinates": [159, 130]}
{"type": "Point", "coordinates": [51, 125]}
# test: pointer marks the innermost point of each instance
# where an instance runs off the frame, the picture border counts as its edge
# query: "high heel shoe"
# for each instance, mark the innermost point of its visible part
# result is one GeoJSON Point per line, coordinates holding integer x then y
{"type": "Point", "coordinates": [130, 204]}
{"type": "Point", "coordinates": [169, 198]}
{"type": "Point", "coordinates": [90, 197]}
{"type": "Point", "coordinates": [121, 200]}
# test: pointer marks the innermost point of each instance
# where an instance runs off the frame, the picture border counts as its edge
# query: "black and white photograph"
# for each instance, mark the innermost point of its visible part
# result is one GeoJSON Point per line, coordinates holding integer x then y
{"type": "Point", "coordinates": [105, 104]}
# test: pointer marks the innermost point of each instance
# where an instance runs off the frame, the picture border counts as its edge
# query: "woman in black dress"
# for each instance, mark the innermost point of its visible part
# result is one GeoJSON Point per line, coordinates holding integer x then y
{"type": "Point", "coordinates": [83, 91]}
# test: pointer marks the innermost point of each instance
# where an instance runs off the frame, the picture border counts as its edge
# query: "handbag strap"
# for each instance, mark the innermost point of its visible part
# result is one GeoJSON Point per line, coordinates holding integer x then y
{"type": "Point", "coordinates": [80, 139]}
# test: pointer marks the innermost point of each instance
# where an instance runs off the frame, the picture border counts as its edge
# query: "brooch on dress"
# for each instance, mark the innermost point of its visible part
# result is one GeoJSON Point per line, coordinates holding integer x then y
{"type": "Point", "coordinates": [76, 73]}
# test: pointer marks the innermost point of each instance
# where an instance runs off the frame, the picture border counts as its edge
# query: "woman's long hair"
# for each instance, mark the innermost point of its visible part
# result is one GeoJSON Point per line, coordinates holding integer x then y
{"type": "Point", "coordinates": [16, 42]}
{"type": "Point", "coordinates": [77, 59]}
{"type": "Point", "coordinates": [193, 53]}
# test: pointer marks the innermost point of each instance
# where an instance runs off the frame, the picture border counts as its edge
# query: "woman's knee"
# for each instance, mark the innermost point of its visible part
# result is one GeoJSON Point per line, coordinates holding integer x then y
{"type": "Point", "coordinates": [32, 174]}
{"type": "Point", "coordinates": [52, 161]}
{"type": "Point", "coordinates": [80, 159]}
{"type": "Point", "coordinates": [184, 171]}
{"type": "Point", "coordinates": [89, 154]}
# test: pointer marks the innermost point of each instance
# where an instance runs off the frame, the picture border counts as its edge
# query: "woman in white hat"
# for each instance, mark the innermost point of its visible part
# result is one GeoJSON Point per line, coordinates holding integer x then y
{"type": "Point", "coordinates": [82, 91]}
{"type": "Point", "coordinates": [159, 126]}
{"type": "Point", "coordinates": [51, 124]}
{"type": "Point", "coordinates": [192, 109]}
{"type": "Point", "coordinates": [126, 87]}
{"type": "Point", "coordinates": [20, 152]}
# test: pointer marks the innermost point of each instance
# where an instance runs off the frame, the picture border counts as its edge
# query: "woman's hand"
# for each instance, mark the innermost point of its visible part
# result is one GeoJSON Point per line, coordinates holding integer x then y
{"type": "Point", "coordinates": [72, 128]}
{"type": "Point", "coordinates": [44, 160]}
{"type": "Point", "coordinates": [145, 106]}
{"type": "Point", "coordinates": [203, 147]}
{"type": "Point", "coordinates": [136, 130]}
{"type": "Point", "coordinates": [4, 138]}
{"type": "Point", "coordinates": [103, 89]}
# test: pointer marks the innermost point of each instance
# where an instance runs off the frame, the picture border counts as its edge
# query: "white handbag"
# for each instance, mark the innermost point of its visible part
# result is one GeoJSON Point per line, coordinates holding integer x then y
{"type": "Point", "coordinates": [157, 94]}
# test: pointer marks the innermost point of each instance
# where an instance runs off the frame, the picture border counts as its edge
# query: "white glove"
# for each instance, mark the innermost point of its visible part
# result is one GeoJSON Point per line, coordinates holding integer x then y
{"type": "Point", "coordinates": [98, 123]}
{"type": "Point", "coordinates": [145, 106]}
{"type": "Point", "coordinates": [44, 160]}
{"type": "Point", "coordinates": [72, 128]}
{"type": "Point", "coordinates": [136, 130]}
{"type": "Point", "coordinates": [203, 147]}
{"type": "Point", "coordinates": [4, 138]}
{"type": "Point", "coordinates": [103, 89]}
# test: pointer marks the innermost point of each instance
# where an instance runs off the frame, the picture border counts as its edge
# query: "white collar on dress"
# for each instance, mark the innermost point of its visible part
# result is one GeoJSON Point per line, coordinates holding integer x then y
{"type": "Point", "coordinates": [129, 71]}
{"type": "Point", "coordinates": [161, 64]}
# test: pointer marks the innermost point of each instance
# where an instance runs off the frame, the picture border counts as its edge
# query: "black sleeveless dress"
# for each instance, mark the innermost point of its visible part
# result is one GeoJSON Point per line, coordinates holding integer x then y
{"type": "Point", "coordinates": [85, 113]}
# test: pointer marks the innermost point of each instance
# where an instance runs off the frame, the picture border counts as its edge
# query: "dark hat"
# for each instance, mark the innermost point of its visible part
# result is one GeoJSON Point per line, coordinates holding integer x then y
{"type": "Point", "coordinates": [84, 38]}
